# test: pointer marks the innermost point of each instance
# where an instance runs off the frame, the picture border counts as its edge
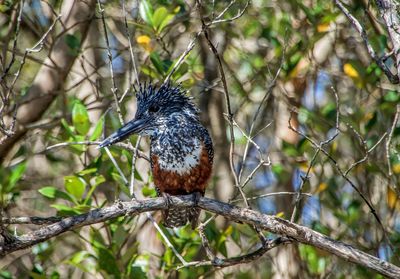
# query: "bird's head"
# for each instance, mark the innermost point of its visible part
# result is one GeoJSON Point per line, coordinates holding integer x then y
{"type": "Point", "coordinates": [155, 108]}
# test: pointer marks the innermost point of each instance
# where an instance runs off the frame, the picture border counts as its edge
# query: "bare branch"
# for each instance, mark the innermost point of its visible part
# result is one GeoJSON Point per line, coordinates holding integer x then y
{"type": "Point", "coordinates": [114, 88]}
{"type": "Point", "coordinates": [396, 118]}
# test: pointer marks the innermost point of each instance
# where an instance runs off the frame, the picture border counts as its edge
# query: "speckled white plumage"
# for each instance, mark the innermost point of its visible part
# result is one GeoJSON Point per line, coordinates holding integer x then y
{"type": "Point", "coordinates": [188, 159]}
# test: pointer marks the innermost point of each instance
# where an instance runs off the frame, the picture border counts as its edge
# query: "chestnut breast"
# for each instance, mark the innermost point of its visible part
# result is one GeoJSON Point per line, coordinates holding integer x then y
{"type": "Point", "coordinates": [179, 177]}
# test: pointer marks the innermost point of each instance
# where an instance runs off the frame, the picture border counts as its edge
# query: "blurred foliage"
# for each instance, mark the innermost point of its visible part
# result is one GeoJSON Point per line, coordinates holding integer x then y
{"type": "Point", "coordinates": [270, 35]}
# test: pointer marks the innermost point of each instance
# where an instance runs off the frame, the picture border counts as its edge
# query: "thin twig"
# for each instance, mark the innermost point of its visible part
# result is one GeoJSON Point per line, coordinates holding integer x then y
{"type": "Point", "coordinates": [128, 35]}
{"type": "Point", "coordinates": [396, 118]}
{"type": "Point", "coordinates": [314, 158]}
{"type": "Point", "coordinates": [239, 14]}
{"type": "Point", "coordinates": [189, 48]}
{"type": "Point", "coordinates": [118, 144]}
{"type": "Point", "coordinates": [114, 88]}
{"type": "Point", "coordinates": [250, 257]}
{"type": "Point", "coordinates": [229, 113]}
{"type": "Point", "coordinates": [272, 195]}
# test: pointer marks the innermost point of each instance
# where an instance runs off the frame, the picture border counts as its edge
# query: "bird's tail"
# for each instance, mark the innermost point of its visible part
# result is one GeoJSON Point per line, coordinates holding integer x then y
{"type": "Point", "coordinates": [177, 217]}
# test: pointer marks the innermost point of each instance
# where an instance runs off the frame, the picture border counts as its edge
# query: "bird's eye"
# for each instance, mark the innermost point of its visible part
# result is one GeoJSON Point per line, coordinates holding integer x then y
{"type": "Point", "coordinates": [154, 108]}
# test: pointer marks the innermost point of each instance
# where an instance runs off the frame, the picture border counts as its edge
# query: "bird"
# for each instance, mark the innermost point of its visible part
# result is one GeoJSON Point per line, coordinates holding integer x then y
{"type": "Point", "coordinates": [181, 148]}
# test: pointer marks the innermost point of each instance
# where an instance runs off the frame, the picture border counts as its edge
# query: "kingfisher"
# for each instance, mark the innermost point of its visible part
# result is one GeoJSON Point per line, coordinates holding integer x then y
{"type": "Point", "coordinates": [181, 149]}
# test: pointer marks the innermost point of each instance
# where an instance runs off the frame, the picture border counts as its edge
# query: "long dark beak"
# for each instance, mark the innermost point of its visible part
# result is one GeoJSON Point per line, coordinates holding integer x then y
{"type": "Point", "coordinates": [133, 126]}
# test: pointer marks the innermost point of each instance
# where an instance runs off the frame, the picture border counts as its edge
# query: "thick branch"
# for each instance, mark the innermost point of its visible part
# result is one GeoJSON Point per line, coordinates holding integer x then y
{"type": "Point", "coordinates": [270, 223]}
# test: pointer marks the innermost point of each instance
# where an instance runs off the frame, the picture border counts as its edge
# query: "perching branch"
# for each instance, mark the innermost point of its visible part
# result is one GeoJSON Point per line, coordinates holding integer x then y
{"type": "Point", "coordinates": [269, 223]}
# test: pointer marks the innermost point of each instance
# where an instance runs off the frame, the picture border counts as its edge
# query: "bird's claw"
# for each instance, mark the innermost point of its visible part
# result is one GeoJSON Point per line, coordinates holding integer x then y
{"type": "Point", "coordinates": [168, 199]}
{"type": "Point", "coordinates": [196, 198]}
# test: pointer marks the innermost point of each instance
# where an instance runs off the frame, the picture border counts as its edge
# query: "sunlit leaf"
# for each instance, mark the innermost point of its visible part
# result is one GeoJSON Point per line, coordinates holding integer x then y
{"type": "Point", "coordinates": [67, 127]}
{"type": "Point", "coordinates": [75, 186]}
{"type": "Point", "coordinates": [165, 22]}
{"type": "Point", "coordinates": [146, 11]}
{"type": "Point", "coordinates": [350, 71]}
{"type": "Point", "coordinates": [158, 17]}
{"type": "Point", "coordinates": [322, 187]}
{"type": "Point", "coordinates": [52, 193]}
{"type": "Point", "coordinates": [16, 174]}
{"type": "Point", "coordinates": [145, 42]}
{"type": "Point", "coordinates": [79, 257]}
{"type": "Point", "coordinates": [149, 192]}
{"type": "Point", "coordinates": [280, 214]}
{"type": "Point", "coordinates": [97, 130]}
{"type": "Point", "coordinates": [323, 27]}
{"type": "Point", "coordinates": [393, 199]}
{"type": "Point", "coordinates": [396, 168]}
{"type": "Point", "coordinates": [80, 118]}
{"type": "Point", "coordinates": [87, 171]}
{"type": "Point", "coordinates": [63, 209]}
{"type": "Point", "coordinates": [392, 96]}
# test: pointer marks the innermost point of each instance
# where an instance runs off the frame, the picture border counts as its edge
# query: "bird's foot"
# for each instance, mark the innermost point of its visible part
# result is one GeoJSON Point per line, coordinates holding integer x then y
{"type": "Point", "coordinates": [196, 198]}
{"type": "Point", "coordinates": [167, 198]}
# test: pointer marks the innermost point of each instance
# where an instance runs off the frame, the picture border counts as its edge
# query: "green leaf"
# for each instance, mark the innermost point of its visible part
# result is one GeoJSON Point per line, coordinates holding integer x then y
{"type": "Point", "coordinates": [277, 169]}
{"type": "Point", "coordinates": [94, 182]}
{"type": "Point", "coordinates": [75, 186]}
{"type": "Point", "coordinates": [16, 174]}
{"type": "Point", "coordinates": [78, 148]}
{"type": "Point", "coordinates": [5, 7]}
{"type": "Point", "coordinates": [146, 11]}
{"type": "Point", "coordinates": [119, 236]}
{"type": "Point", "coordinates": [74, 44]}
{"type": "Point", "coordinates": [97, 180]}
{"type": "Point", "coordinates": [159, 16]}
{"type": "Point", "coordinates": [161, 66]}
{"type": "Point", "coordinates": [67, 128]}
{"type": "Point", "coordinates": [79, 257]}
{"type": "Point", "coordinates": [149, 192]}
{"type": "Point", "coordinates": [221, 246]}
{"type": "Point", "coordinates": [82, 208]}
{"type": "Point", "coordinates": [98, 129]}
{"type": "Point", "coordinates": [236, 237]}
{"type": "Point", "coordinates": [165, 22]}
{"type": "Point", "coordinates": [52, 193]}
{"type": "Point", "coordinates": [392, 96]}
{"type": "Point", "coordinates": [156, 60]}
{"type": "Point", "coordinates": [137, 272]}
{"type": "Point", "coordinates": [63, 209]}
{"type": "Point", "coordinates": [80, 118]}
{"type": "Point", "coordinates": [121, 183]}
{"type": "Point", "coordinates": [149, 71]}
{"type": "Point", "coordinates": [107, 262]}
{"type": "Point", "coordinates": [87, 171]}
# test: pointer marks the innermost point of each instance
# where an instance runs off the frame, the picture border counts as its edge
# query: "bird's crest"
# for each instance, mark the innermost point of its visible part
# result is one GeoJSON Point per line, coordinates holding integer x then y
{"type": "Point", "coordinates": [166, 96]}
